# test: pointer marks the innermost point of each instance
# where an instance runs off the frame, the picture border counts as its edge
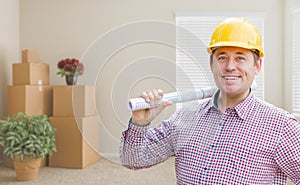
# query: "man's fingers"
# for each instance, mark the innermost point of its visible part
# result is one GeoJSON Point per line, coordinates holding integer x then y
{"type": "Point", "coordinates": [145, 96]}
{"type": "Point", "coordinates": [160, 93]}
{"type": "Point", "coordinates": [152, 96]}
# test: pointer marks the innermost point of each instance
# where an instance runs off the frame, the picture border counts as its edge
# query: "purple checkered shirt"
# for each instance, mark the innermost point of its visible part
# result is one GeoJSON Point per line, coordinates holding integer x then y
{"type": "Point", "coordinates": [252, 143]}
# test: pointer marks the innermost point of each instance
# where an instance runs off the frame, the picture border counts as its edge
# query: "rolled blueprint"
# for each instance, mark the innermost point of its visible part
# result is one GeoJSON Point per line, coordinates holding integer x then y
{"type": "Point", "coordinates": [174, 97]}
{"type": "Point", "coordinates": [178, 97]}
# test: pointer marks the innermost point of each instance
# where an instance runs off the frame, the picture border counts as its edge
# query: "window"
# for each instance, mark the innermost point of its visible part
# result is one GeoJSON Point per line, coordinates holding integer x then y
{"type": "Point", "coordinates": [296, 62]}
{"type": "Point", "coordinates": [193, 35]}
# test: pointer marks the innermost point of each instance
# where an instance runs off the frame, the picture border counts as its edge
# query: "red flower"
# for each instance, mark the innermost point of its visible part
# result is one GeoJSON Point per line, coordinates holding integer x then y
{"type": "Point", "coordinates": [81, 68]}
{"type": "Point", "coordinates": [68, 60]}
{"type": "Point", "coordinates": [61, 64]}
{"type": "Point", "coordinates": [69, 67]}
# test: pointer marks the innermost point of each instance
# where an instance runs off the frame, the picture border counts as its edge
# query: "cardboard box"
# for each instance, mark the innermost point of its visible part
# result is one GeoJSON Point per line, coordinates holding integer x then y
{"type": "Point", "coordinates": [77, 141]}
{"type": "Point", "coordinates": [30, 56]}
{"type": "Point", "coordinates": [78, 101]}
{"type": "Point", "coordinates": [31, 74]}
{"type": "Point", "coordinates": [33, 100]}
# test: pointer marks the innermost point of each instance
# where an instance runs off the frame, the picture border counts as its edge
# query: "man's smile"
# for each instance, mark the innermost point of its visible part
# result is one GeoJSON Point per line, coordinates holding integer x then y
{"type": "Point", "coordinates": [231, 78]}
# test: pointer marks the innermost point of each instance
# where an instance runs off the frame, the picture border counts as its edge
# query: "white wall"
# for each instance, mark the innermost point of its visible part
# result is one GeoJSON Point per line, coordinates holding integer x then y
{"type": "Point", "coordinates": [67, 28]}
{"type": "Point", "coordinates": [9, 47]}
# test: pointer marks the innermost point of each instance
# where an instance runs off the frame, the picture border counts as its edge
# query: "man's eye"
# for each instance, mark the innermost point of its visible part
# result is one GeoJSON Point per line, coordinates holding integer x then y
{"type": "Point", "coordinates": [222, 58]}
{"type": "Point", "coordinates": [241, 58]}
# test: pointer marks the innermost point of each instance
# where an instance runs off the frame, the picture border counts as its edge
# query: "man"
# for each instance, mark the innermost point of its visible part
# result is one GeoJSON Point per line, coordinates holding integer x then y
{"type": "Point", "coordinates": [233, 137]}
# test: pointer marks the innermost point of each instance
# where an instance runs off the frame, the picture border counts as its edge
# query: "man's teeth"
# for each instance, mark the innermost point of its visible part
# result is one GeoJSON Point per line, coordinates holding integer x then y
{"type": "Point", "coordinates": [230, 77]}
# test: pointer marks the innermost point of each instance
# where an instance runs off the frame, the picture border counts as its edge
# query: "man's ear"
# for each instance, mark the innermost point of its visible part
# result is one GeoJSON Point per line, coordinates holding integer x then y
{"type": "Point", "coordinates": [211, 62]}
{"type": "Point", "coordinates": [258, 65]}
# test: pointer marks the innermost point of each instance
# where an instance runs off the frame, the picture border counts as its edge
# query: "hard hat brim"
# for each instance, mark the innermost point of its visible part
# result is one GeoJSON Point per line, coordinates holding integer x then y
{"type": "Point", "coordinates": [211, 48]}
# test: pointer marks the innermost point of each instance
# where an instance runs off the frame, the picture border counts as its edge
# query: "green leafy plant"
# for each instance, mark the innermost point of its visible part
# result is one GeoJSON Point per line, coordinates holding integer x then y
{"type": "Point", "coordinates": [24, 135]}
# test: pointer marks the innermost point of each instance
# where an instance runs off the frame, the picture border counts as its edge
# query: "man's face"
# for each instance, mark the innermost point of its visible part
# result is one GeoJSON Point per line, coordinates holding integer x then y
{"type": "Point", "coordinates": [234, 69]}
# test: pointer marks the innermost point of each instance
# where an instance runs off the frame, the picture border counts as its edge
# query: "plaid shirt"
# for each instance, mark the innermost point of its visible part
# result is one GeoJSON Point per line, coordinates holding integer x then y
{"type": "Point", "coordinates": [252, 143]}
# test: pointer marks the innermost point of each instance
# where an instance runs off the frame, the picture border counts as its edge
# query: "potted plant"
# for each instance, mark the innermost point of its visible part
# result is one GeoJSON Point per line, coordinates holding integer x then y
{"type": "Point", "coordinates": [70, 68]}
{"type": "Point", "coordinates": [27, 139]}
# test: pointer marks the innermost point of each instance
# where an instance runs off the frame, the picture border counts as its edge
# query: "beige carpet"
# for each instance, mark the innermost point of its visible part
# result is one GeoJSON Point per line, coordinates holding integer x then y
{"type": "Point", "coordinates": [103, 172]}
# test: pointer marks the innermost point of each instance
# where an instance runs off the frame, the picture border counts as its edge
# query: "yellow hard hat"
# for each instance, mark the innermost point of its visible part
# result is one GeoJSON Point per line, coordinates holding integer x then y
{"type": "Point", "coordinates": [237, 32]}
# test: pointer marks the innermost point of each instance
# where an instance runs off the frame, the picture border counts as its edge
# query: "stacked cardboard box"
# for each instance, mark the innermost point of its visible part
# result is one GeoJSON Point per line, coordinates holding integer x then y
{"type": "Point", "coordinates": [30, 92]}
{"type": "Point", "coordinates": [77, 127]}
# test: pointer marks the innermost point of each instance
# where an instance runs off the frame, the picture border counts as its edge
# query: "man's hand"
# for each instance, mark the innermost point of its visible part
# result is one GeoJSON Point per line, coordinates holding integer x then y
{"type": "Point", "coordinates": [143, 117]}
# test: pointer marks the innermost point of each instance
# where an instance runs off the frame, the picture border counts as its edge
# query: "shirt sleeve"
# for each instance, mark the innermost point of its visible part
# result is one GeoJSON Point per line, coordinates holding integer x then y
{"type": "Point", "coordinates": [288, 151]}
{"type": "Point", "coordinates": [143, 146]}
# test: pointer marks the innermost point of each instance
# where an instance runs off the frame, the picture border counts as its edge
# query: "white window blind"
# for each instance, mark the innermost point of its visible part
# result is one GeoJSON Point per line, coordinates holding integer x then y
{"type": "Point", "coordinates": [193, 35]}
{"type": "Point", "coordinates": [296, 62]}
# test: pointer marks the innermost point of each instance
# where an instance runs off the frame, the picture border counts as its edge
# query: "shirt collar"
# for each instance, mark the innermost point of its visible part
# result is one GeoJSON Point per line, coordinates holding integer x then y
{"type": "Point", "coordinates": [243, 109]}
{"type": "Point", "coordinates": [211, 103]}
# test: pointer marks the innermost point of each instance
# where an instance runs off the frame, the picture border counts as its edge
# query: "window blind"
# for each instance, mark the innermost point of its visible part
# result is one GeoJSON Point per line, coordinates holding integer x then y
{"type": "Point", "coordinates": [296, 62]}
{"type": "Point", "coordinates": [193, 34]}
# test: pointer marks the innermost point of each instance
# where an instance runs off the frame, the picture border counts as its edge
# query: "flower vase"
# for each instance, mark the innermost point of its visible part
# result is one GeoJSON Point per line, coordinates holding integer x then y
{"type": "Point", "coordinates": [71, 80]}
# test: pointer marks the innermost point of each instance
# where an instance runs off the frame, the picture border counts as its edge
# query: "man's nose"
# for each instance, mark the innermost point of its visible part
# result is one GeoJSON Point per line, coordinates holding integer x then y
{"type": "Point", "coordinates": [230, 64]}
